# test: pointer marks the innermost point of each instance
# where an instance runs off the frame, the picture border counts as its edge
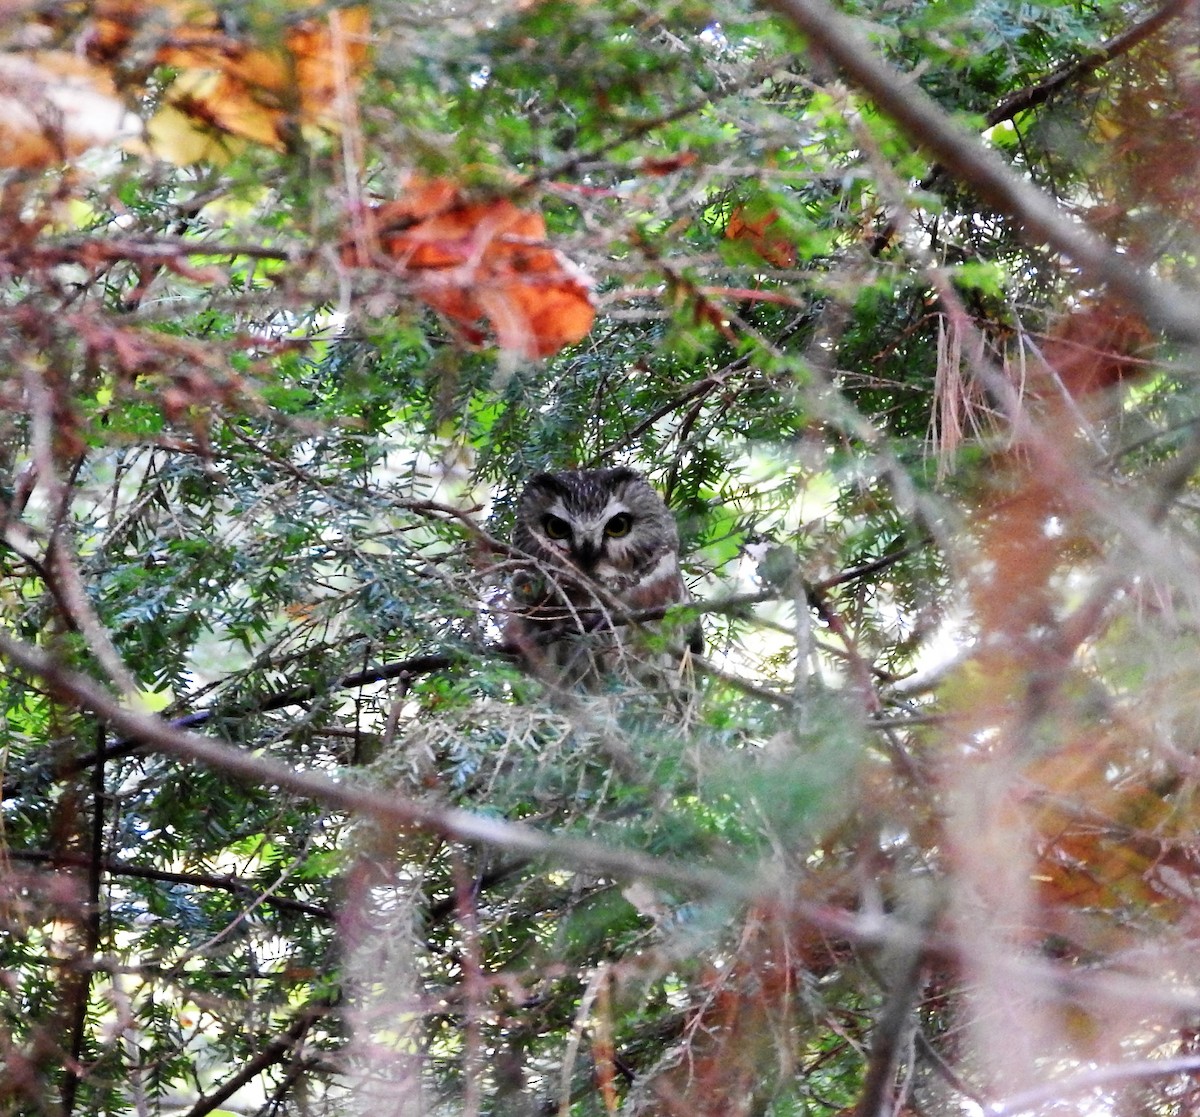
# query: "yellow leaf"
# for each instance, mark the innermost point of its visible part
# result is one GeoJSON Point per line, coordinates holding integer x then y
{"type": "Point", "coordinates": [178, 138]}
{"type": "Point", "coordinates": [221, 103]}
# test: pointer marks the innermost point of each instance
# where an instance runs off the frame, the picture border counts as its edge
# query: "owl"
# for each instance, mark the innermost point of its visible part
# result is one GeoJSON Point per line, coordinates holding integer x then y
{"type": "Point", "coordinates": [594, 546]}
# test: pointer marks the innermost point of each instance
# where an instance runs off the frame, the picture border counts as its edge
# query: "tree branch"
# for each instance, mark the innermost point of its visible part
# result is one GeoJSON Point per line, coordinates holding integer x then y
{"type": "Point", "coordinates": [1096, 1079]}
{"type": "Point", "coordinates": [1163, 305]}
{"type": "Point", "coordinates": [274, 1052]}
{"type": "Point", "coordinates": [894, 1023]}
{"type": "Point", "coordinates": [80, 984]}
{"type": "Point", "coordinates": [143, 872]}
{"type": "Point", "coordinates": [427, 664]}
{"type": "Point", "coordinates": [385, 808]}
{"type": "Point", "coordinates": [402, 669]}
{"type": "Point", "coordinates": [1041, 91]}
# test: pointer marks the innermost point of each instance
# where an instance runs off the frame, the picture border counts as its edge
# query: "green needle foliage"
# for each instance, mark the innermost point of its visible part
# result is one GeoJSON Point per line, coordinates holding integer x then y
{"type": "Point", "coordinates": [915, 835]}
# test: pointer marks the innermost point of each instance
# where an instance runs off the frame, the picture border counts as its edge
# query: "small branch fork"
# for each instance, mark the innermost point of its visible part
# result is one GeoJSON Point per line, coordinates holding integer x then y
{"type": "Point", "coordinates": [274, 1052]}
{"type": "Point", "coordinates": [1041, 91]}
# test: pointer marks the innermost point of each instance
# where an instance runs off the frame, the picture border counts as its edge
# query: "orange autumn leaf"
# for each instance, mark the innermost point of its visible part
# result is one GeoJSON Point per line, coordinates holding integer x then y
{"type": "Point", "coordinates": [763, 233]}
{"type": "Point", "coordinates": [539, 316]}
{"type": "Point", "coordinates": [117, 25]}
{"type": "Point", "coordinates": [205, 48]}
{"type": "Point", "coordinates": [328, 54]}
{"type": "Point", "coordinates": [476, 262]}
{"type": "Point", "coordinates": [260, 93]}
{"type": "Point", "coordinates": [443, 230]}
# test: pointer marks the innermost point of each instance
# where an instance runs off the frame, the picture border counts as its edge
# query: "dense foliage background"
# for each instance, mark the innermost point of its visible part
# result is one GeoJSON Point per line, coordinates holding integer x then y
{"type": "Point", "coordinates": [900, 319]}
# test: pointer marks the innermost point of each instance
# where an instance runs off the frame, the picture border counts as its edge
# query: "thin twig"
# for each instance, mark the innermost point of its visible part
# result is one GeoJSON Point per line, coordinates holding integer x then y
{"type": "Point", "coordinates": [143, 872]}
{"type": "Point", "coordinates": [275, 1051]}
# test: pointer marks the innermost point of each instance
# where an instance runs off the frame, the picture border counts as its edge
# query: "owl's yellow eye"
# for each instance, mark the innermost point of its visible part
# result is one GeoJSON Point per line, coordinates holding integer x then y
{"type": "Point", "coordinates": [619, 525]}
{"type": "Point", "coordinates": [556, 528]}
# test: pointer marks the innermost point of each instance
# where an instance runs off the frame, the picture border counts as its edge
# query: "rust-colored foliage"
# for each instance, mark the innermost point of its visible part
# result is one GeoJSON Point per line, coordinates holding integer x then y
{"type": "Point", "coordinates": [1065, 820]}
{"type": "Point", "coordinates": [1111, 832]}
{"type": "Point", "coordinates": [1149, 128]}
{"type": "Point", "coordinates": [478, 260]}
{"type": "Point", "coordinates": [1096, 347]}
{"type": "Point", "coordinates": [735, 1043]}
{"type": "Point", "coordinates": [763, 232]}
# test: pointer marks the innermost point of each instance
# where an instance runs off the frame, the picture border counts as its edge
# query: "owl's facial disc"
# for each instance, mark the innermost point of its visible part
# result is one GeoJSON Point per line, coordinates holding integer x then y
{"type": "Point", "coordinates": [598, 542]}
{"type": "Point", "coordinates": [587, 537]}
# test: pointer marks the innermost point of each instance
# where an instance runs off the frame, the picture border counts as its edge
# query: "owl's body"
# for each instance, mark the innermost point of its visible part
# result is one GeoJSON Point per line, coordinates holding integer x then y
{"type": "Point", "coordinates": [597, 543]}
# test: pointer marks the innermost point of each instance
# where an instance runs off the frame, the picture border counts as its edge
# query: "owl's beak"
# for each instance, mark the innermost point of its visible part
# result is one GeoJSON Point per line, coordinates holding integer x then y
{"type": "Point", "coordinates": [587, 553]}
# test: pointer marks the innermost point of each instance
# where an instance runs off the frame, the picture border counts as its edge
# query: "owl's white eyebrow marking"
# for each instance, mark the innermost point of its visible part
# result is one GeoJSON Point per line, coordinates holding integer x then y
{"type": "Point", "coordinates": [591, 523]}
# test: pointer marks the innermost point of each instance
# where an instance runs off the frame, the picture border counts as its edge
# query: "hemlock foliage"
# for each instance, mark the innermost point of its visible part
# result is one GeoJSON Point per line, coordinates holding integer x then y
{"type": "Point", "coordinates": [917, 831]}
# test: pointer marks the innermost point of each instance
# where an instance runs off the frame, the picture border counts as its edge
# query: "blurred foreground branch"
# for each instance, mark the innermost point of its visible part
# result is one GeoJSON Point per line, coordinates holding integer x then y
{"type": "Point", "coordinates": [1162, 304]}
{"type": "Point", "coordinates": [388, 810]}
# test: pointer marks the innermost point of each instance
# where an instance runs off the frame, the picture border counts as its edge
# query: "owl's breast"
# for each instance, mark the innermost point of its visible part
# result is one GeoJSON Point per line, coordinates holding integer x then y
{"type": "Point", "coordinates": [612, 578]}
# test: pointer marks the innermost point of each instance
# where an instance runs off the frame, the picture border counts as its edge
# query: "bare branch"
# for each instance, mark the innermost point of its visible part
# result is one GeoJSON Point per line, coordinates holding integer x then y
{"type": "Point", "coordinates": [274, 1052]}
{"type": "Point", "coordinates": [1097, 1079]}
{"type": "Point", "coordinates": [1041, 91]}
{"type": "Point", "coordinates": [1162, 304]}
{"type": "Point", "coordinates": [387, 809]}
{"type": "Point", "coordinates": [894, 1024]}
{"type": "Point", "coordinates": [144, 872]}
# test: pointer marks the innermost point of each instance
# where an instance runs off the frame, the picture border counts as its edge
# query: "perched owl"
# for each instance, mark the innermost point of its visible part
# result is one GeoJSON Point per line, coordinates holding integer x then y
{"type": "Point", "coordinates": [593, 543]}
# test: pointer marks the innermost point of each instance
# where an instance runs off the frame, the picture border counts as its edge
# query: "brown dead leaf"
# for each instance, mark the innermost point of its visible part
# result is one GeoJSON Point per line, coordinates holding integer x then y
{"type": "Point", "coordinates": [665, 165]}
{"type": "Point", "coordinates": [1096, 347]}
{"type": "Point", "coordinates": [478, 261]}
{"type": "Point", "coordinates": [762, 232]}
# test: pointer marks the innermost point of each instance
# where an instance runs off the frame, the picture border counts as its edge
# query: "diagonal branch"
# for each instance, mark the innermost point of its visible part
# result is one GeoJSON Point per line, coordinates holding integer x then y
{"type": "Point", "coordinates": [1041, 91]}
{"type": "Point", "coordinates": [276, 1051]}
{"type": "Point", "coordinates": [1095, 1079]}
{"type": "Point", "coordinates": [118, 868]}
{"type": "Point", "coordinates": [389, 810]}
{"type": "Point", "coordinates": [1162, 304]}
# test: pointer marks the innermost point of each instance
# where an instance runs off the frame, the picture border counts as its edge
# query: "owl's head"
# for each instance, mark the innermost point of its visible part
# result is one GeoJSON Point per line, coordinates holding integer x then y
{"type": "Point", "coordinates": [607, 523]}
